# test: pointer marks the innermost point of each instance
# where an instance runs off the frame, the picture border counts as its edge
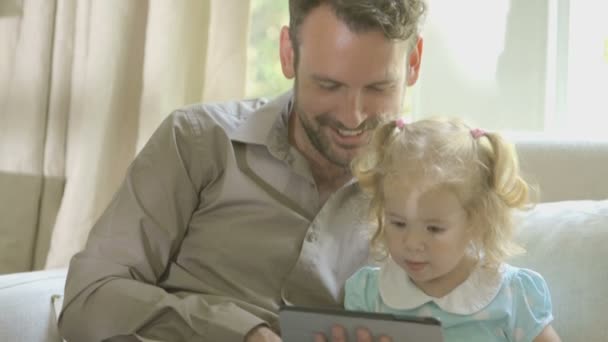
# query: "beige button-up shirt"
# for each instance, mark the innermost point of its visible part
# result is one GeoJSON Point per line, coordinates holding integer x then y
{"type": "Point", "coordinates": [217, 224]}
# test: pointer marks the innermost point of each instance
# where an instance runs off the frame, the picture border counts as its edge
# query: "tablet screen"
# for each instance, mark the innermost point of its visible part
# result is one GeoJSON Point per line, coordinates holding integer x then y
{"type": "Point", "coordinates": [299, 324]}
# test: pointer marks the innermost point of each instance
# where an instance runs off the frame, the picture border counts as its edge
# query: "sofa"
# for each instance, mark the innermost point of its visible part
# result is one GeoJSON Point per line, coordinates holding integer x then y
{"type": "Point", "coordinates": [565, 234]}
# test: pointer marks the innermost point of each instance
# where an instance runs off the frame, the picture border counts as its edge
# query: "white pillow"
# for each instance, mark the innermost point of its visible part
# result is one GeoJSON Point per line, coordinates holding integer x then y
{"type": "Point", "coordinates": [567, 243]}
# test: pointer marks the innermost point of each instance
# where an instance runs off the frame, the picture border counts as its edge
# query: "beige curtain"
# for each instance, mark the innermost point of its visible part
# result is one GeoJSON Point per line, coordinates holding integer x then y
{"type": "Point", "coordinates": [87, 82]}
{"type": "Point", "coordinates": [32, 128]}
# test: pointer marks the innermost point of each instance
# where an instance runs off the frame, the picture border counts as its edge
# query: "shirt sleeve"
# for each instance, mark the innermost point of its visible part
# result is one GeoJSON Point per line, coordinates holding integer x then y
{"type": "Point", "coordinates": [532, 309]}
{"type": "Point", "coordinates": [111, 285]}
{"type": "Point", "coordinates": [360, 291]}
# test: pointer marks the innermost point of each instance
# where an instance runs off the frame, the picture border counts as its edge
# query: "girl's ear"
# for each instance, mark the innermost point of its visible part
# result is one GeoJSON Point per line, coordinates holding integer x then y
{"type": "Point", "coordinates": [286, 54]}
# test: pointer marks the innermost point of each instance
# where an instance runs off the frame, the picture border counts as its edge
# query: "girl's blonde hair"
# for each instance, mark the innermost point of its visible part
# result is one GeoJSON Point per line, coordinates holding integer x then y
{"type": "Point", "coordinates": [481, 169]}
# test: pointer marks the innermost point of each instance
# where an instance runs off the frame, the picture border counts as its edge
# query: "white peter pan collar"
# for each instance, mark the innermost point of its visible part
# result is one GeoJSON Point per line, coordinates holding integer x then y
{"type": "Point", "coordinates": [474, 294]}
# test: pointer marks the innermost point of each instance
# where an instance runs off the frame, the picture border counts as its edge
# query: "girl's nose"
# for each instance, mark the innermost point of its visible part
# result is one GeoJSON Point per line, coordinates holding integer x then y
{"type": "Point", "coordinates": [414, 241]}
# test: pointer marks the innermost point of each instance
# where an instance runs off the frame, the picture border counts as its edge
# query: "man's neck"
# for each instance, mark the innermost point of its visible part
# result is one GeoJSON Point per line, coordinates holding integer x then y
{"type": "Point", "coordinates": [328, 176]}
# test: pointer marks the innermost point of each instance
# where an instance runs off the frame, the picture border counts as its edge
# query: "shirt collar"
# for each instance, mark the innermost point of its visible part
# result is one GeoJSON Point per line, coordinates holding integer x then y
{"type": "Point", "coordinates": [267, 125]}
{"type": "Point", "coordinates": [474, 294]}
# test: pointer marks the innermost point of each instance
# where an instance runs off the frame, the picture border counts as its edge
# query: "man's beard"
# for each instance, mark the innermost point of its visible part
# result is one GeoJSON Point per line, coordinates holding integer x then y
{"type": "Point", "coordinates": [322, 142]}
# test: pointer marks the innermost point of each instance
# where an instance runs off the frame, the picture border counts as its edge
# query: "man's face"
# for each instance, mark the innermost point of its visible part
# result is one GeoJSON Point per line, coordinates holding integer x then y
{"type": "Point", "coordinates": [345, 81]}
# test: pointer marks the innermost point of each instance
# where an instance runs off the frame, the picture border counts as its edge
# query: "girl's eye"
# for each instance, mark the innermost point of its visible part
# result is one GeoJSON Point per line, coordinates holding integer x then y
{"type": "Point", "coordinates": [398, 224]}
{"type": "Point", "coordinates": [435, 229]}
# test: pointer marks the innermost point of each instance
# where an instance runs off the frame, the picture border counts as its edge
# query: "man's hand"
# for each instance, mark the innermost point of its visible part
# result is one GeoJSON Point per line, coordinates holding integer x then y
{"type": "Point", "coordinates": [338, 334]}
{"type": "Point", "coordinates": [262, 334]}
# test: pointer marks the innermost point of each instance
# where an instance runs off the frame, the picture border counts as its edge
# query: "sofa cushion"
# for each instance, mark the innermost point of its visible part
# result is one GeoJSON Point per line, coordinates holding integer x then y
{"type": "Point", "coordinates": [27, 312]}
{"type": "Point", "coordinates": [567, 242]}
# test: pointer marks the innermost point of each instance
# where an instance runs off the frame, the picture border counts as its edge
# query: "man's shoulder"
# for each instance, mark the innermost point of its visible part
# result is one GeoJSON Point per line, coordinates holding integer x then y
{"type": "Point", "coordinates": [229, 114]}
{"type": "Point", "coordinates": [249, 121]}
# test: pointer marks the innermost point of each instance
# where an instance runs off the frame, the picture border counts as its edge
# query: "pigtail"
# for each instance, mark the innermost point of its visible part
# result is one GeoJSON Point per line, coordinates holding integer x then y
{"type": "Point", "coordinates": [506, 190]}
{"type": "Point", "coordinates": [506, 179]}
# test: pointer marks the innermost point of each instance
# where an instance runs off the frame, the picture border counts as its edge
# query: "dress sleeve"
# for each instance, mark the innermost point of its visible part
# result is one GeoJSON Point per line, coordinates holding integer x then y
{"type": "Point", "coordinates": [532, 309]}
{"type": "Point", "coordinates": [361, 290]}
{"type": "Point", "coordinates": [111, 288]}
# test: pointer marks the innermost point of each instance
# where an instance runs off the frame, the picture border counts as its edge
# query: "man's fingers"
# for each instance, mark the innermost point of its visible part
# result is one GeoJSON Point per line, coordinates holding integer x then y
{"type": "Point", "coordinates": [320, 337]}
{"type": "Point", "coordinates": [338, 334]}
{"type": "Point", "coordinates": [363, 335]}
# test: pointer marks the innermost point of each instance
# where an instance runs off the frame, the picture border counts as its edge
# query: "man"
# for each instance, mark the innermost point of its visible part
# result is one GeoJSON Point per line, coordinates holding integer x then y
{"type": "Point", "coordinates": [232, 210]}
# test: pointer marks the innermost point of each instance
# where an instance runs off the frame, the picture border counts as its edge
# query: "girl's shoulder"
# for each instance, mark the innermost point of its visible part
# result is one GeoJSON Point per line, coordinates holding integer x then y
{"type": "Point", "coordinates": [522, 278]}
{"type": "Point", "coordinates": [527, 292]}
{"type": "Point", "coordinates": [361, 289]}
{"type": "Point", "coordinates": [364, 278]}
{"type": "Point", "coordinates": [528, 300]}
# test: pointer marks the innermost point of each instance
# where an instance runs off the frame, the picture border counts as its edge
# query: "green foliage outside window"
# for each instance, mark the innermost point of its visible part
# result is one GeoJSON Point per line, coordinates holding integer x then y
{"type": "Point", "coordinates": [264, 76]}
{"type": "Point", "coordinates": [606, 50]}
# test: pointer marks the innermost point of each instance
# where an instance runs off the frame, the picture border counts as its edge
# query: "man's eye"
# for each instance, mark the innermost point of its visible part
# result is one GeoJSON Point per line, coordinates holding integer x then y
{"type": "Point", "coordinates": [381, 88]}
{"type": "Point", "coordinates": [378, 89]}
{"type": "Point", "coordinates": [435, 229]}
{"type": "Point", "coordinates": [329, 85]}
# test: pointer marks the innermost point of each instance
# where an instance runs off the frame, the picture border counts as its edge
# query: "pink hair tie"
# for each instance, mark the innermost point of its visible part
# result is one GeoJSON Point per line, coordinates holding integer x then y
{"type": "Point", "coordinates": [477, 133]}
{"type": "Point", "coordinates": [400, 123]}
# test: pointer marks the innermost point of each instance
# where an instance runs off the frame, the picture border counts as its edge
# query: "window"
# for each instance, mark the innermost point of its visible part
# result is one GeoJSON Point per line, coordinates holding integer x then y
{"type": "Point", "coordinates": [585, 78]}
{"type": "Point", "coordinates": [531, 66]}
{"type": "Point", "coordinates": [489, 69]}
{"type": "Point", "coordinates": [535, 66]}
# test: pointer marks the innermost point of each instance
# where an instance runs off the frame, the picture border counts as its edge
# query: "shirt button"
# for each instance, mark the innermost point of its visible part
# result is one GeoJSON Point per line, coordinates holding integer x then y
{"type": "Point", "coordinates": [310, 237]}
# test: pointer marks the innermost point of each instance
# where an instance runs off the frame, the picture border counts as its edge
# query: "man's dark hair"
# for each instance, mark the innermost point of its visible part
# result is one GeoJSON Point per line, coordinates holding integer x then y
{"type": "Point", "coordinates": [397, 19]}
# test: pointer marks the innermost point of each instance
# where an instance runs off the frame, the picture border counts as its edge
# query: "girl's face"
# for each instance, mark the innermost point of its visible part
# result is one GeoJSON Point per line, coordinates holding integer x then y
{"type": "Point", "coordinates": [426, 234]}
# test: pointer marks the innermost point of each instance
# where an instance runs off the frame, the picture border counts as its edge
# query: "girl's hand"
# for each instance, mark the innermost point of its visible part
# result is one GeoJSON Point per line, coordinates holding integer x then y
{"type": "Point", "coordinates": [338, 334]}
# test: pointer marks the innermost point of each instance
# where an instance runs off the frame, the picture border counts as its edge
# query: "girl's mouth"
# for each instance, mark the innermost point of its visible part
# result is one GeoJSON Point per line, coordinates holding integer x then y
{"type": "Point", "coordinates": [415, 266]}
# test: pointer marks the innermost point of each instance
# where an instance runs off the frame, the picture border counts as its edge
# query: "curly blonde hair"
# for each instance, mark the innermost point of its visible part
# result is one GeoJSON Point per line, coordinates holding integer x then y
{"type": "Point", "coordinates": [481, 169]}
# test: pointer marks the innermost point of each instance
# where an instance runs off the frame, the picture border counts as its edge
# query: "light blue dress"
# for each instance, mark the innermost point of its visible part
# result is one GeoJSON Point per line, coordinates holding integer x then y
{"type": "Point", "coordinates": [511, 304]}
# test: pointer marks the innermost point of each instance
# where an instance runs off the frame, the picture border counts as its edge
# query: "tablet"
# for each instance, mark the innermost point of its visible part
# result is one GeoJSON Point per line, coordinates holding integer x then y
{"type": "Point", "coordinates": [299, 324]}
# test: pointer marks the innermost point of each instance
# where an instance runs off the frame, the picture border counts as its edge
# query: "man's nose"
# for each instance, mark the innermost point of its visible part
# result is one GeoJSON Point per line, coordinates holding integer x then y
{"type": "Point", "coordinates": [353, 115]}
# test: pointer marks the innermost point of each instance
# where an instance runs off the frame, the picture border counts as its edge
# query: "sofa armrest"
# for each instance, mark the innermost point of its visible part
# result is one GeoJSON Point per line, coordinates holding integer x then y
{"type": "Point", "coordinates": [27, 312]}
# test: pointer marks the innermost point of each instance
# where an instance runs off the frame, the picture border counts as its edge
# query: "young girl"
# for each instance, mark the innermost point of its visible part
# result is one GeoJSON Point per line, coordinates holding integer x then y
{"type": "Point", "coordinates": [442, 196]}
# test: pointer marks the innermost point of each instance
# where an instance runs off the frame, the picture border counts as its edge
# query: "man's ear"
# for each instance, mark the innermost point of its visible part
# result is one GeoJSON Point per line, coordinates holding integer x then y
{"type": "Point", "coordinates": [286, 54]}
{"type": "Point", "coordinates": [413, 63]}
